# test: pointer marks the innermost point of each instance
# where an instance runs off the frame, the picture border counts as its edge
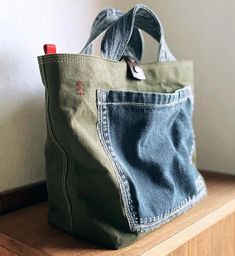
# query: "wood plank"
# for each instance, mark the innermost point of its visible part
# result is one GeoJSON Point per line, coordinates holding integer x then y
{"type": "Point", "coordinates": [18, 248]}
{"type": "Point", "coordinates": [6, 252]}
{"type": "Point", "coordinates": [30, 226]}
{"type": "Point", "coordinates": [218, 240]}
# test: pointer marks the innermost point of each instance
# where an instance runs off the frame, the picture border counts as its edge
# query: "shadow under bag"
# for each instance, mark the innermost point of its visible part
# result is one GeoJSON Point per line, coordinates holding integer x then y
{"type": "Point", "coordinates": [120, 148]}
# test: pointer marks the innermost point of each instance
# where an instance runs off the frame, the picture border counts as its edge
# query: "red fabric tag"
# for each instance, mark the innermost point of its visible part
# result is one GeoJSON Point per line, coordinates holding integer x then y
{"type": "Point", "coordinates": [49, 48]}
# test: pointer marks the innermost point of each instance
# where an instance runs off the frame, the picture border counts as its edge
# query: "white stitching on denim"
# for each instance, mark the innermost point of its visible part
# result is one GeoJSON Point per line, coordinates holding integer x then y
{"type": "Point", "coordinates": [193, 148]}
{"type": "Point", "coordinates": [65, 161]}
{"type": "Point", "coordinates": [129, 37]}
{"type": "Point", "coordinates": [186, 89]}
{"type": "Point", "coordinates": [123, 180]}
{"type": "Point", "coordinates": [199, 183]}
{"type": "Point", "coordinates": [156, 105]}
{"type": "Point", "coordinates": [103, 132]}
{"type": "Point", "coordinates": [169, 215]}
{"type": "Point", "coordinates": [146, 224]}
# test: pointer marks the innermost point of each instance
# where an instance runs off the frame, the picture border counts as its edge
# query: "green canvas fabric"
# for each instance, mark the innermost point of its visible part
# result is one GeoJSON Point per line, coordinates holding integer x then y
{"type": "Point", "coordinates": [84, 194]}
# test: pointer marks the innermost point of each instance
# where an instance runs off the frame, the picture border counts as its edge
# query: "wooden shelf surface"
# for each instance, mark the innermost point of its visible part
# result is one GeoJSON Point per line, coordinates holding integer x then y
{"type": "Point", "coordinates": [26, 232]}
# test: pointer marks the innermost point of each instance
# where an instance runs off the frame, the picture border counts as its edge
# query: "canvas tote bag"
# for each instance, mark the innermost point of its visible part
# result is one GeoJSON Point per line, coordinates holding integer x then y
{"type": "Point", "coordinates": [120, 143]}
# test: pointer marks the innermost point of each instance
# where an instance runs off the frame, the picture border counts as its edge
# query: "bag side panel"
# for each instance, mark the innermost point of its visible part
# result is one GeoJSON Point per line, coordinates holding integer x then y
{"type": "Point", "coordinates": [87, 183]}
{"type": "Point", "coordinates": [56, 162]}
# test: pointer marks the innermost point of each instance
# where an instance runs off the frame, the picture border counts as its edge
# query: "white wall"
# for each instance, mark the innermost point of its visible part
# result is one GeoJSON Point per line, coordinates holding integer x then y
{"type": "Point", "coordinates": [25, 26]}
{"type": "Point", "coordinates": [198, 30]}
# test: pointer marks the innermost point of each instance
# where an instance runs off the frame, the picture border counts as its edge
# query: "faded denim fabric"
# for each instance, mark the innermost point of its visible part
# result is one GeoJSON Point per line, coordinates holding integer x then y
{"type": "Point", "coordinates": [118, 35]}
{"type": "Point", "coordinates": [122, 36]}
{"type": "Point", "coordinates": [102, 22]}
{"type": "Point", "coordinates": [149, 137]}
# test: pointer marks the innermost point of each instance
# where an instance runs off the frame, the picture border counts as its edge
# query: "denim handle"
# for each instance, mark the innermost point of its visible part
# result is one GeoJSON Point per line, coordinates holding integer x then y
{"type": "Point", "coordinates": [104, 20]}
{"type": "Point", "coordinates": [118, 36]}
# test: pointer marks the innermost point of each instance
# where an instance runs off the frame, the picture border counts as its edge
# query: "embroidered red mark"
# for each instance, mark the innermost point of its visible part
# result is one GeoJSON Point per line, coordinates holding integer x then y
{"type": "Point", "coordinates": [80, 89]}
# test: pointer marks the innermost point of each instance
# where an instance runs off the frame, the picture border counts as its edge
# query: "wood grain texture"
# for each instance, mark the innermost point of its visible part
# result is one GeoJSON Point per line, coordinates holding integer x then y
{"type": "Point", "coordinates": [30, 226]}
{"type": "Point", "coordinates": [6, 252]}
{"type": "Point", "coordinates": [16, 247]}
{"type": "Point", "coordinates": [218, 240]}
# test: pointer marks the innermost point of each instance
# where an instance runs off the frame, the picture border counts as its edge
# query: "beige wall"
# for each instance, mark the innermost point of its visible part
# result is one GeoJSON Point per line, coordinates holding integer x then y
{"type": "Point", "coordinates": [204, 31]}
{"type": "Point", "coordinates": [198, 30]}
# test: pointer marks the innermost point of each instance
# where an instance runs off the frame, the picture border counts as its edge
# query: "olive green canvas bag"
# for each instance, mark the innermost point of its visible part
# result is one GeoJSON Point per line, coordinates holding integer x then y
{"type": "Point", "coordinates": [120, 148]}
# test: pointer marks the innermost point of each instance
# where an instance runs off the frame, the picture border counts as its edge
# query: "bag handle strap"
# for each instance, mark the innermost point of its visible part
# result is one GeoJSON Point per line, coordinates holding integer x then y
{"type": "Point", "coordinates": [139, 17]}
{"type": "Point", "coordinates": [104, 20]}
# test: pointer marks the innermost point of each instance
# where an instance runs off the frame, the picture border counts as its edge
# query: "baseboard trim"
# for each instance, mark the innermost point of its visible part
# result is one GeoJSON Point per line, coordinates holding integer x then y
{"type": "Point", "coordinates": [217, 173]}
{"type": "Point", "coordinates": [22, 197]}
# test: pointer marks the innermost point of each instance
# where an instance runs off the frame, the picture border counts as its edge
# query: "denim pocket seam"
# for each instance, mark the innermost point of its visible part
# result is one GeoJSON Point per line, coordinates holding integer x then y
{"type": "Point", "coordinates": [193, 133]}
{"type": "Point", "coordinates": [172, 104]}
{"type": "Point", "coordinates": [135, 223]}
{"type": "Point", "coordinates": [102, 129]}
{"type": "Point", "coordinates": [169, 215]}
{"type": "Point", "coordinates": [157, 99]}
{"type": "Point", "coordinates": [186, 87]}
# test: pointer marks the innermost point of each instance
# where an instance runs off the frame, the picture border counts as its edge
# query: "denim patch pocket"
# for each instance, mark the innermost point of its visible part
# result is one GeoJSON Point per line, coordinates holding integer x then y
{"type": "Point", "coordinates": [149, 140]}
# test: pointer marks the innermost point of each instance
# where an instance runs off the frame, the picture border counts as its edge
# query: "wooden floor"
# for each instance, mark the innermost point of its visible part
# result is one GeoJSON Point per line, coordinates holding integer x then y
{"type": "Point", "coordinates": [26, 232]}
